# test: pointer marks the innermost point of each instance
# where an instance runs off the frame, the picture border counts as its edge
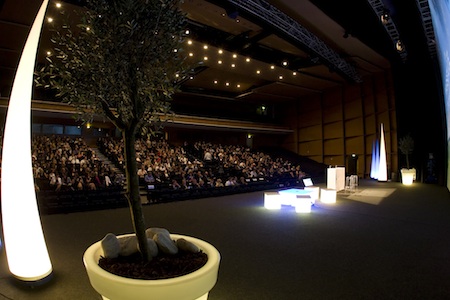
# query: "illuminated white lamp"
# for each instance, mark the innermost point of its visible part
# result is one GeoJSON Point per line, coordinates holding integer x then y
{"type": "Point", "coordinates": [315, 193]}
{"type": "Point", "coordinates": [303, 204]}
{"type": "Point", "coordinates": [25, 246]}
{"type": "Point", "coordinates": [272, 200]}
{"type": "Point", "coordinates": [408, 176]}
{"type": "Point", "coordinates": [328, 196]}
{"type": "Point", "coordinates": [382, 167]}
{"type": "Point", "coordinates": [300, 199]}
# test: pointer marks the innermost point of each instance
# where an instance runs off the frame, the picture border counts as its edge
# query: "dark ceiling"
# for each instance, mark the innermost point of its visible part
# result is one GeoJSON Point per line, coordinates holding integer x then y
{"type": "Point", "coordinates": [349, 31]}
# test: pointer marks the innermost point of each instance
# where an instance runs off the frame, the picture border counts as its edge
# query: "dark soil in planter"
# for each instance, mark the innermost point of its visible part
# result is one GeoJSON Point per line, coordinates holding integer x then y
{"type": "Point", "coordinates": [161, 267]}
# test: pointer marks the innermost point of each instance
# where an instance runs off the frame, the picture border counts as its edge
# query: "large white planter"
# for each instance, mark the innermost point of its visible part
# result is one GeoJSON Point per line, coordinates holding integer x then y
{"type": "Point", "coordinates": [408, 176]}
{"type": "Point", "coordinates": [193, 286]}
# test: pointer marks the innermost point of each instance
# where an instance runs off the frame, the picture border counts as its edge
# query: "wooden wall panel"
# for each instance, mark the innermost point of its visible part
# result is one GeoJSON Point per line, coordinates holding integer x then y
{"type": "Point", "coordinates": [312, 147]}
{"type": "Point", "coordinates": [354, 145]}
{"type": "Point", "coordinates": [310, 133]}
{"type": "Point", "coordinates": [354, 127]}
{"type": "Point", "coordinates": [353, 109]}
{"type": "Point", "coordinates": [333, 130]}
{"type": "Point", "coordinates": [333, 147]}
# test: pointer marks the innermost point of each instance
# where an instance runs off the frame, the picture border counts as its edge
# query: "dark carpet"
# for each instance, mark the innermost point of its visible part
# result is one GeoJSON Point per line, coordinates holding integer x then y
{"type": "Point", "coordinates": [383, 241]}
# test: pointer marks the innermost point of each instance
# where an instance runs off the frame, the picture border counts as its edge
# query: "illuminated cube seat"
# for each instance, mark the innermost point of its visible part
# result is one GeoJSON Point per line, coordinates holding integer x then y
{"type": "Point", "coordinates": [300, 199]}
{"type": "Point", "coordinates": [328, 196]}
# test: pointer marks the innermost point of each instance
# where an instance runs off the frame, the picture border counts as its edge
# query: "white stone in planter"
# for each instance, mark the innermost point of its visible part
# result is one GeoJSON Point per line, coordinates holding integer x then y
{"type": "Point", "coordinates": [165, 243]}
{"type": "Point", "coordinates": [110, 245]}
{"type": "Point", "coordinates": [150, 232]}
{"type": "Point", "coordinates": [128, 245]}
{"type": "Point", "coordinates": [184, 245]}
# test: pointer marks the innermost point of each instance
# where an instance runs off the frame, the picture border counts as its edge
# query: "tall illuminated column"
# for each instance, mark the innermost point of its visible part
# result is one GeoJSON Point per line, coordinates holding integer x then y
{"type": "Point", "coordinates": [375, 160]}
{"type": "Point", "coordinates": [382, 167]}
{"type": "Point", "coordinates": [24, 242]}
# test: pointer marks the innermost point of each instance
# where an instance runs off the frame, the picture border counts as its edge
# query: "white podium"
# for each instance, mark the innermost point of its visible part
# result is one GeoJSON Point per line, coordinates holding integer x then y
{"type": "Point", "coordinates": [336, 178]}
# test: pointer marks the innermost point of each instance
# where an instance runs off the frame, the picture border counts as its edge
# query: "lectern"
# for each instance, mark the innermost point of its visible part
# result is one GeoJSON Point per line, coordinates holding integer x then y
{"type": "Point", "coordinates": [336, 178]}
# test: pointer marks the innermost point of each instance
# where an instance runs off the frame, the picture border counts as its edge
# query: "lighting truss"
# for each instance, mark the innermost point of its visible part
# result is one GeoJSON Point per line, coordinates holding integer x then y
{"type": "Point", "coordinates": [278, 20]}
{"type": "Point", "coordinates": [389, 25]}
{"type": "Point", "coordinates": [427, 25]}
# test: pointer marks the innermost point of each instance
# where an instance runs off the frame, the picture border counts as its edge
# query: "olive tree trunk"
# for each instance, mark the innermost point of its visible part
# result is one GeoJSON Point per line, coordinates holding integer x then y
{"type": "Point", "coordinates": [133, 197]}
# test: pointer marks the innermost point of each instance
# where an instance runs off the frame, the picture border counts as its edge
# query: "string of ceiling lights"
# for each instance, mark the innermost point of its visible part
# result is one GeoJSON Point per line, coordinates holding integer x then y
{"type": "Point", "coordinates": [231, 63]}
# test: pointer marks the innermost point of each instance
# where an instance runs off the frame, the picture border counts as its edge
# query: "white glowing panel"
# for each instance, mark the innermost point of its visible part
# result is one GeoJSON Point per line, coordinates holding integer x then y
{"type": "Point", "coordinates": [272, 200]}
{"type": "Point", "coordinates": [302, 204]}
{"type": "Point", "coordinates": [382, 167]}
{"type": "Point", "coordinates": [336, 178]}
{"type": "Point", "coordinates": [328, 196]}
{"type": "Point", "coordinates": [300, 199]}
{"type": "Point", "coordinates": [408, 176]}
{"type": "Point", "coordinates": [375, 160]}
{"type": "Point", "coordinates": [24, 241]}
{"type": "Point", "coordinates": [315, 192]}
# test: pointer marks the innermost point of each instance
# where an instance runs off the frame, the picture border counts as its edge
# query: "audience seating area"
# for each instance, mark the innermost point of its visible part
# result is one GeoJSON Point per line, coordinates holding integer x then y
{"type": "Point", "coordinates": [70, 176]}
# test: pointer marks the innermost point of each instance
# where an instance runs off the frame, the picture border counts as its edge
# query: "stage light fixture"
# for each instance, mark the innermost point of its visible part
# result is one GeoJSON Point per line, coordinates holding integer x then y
{"type": "Point", "coordinates": [385, 17]}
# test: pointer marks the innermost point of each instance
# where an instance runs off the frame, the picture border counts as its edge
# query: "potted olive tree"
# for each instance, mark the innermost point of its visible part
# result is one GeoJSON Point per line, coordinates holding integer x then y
{"type": "Point", "coordinates": [406, 147]}
{"type": "Point", "coordinates": [123, 61]}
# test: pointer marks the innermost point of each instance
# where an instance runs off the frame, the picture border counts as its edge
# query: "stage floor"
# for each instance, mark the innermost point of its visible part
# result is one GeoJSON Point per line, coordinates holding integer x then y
{"type": "Point", "coordinates": [382, 241]}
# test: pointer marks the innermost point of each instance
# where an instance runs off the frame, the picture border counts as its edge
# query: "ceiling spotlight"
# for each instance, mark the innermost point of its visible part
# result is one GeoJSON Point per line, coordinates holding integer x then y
{"type": "Point", "coordinates": [284, 63]}
{"type": "Point", "coordinates": [215, 81]}
{"type": "Point", "coordinates": [49, 53]}
{"type": "Point", "coordinates": [191, 54]}
{"type": "Point", "coordinates": [58, 5]}
{"type": "Point", "coordinates": [280, 77]}
{"type": "Point", "coordinates": [205, 58]}
{"type": "Point", "coordinates": [227, 84]}
{"type": "Point", "coordinates": [399, 46]}
{"type": "Point", "coordinates": [219, 62]}
{"type": "Point", "coordinates": [247, 59]}
{"type": "Point", "coordinates": [238, 85]}
{"type": "Point", "coordinates": [234, 55]}
{"type": "Point", "coordinates": [220, 51]}
{"type": "Point", "coordinates": [258, 72]}
{"type": "Point", "coordinates": [205, 47]}
{"type": "Point", "coordinates": [189, 42]}
{"type": "Point", "coordinates": [385, 16]}
{"type": "Point", "coordinates": [187, 31]}
{"type": "Point", "coordinates": [49, 19]}
{"type": "Point", "coordinates": [233, 65]}
{"type": "Point", "coordinates": [272, 67]}
{"type": "Point", "coordinates": [294, 73]}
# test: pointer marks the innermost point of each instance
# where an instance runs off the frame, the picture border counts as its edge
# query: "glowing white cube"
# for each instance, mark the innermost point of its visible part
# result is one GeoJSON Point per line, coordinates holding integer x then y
{"type": "Point", "coordinates": [302, 204]}
{"type": "Point", "coordinates": [272, 200]}
{"type": "Point", "coordinates": [328, 196]}
{"type": "Point", "coordinates": [315, 193]}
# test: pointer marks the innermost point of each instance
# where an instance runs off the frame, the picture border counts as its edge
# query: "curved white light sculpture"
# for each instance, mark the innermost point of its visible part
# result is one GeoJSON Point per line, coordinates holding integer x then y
{"type": "Point", "coordinates": [375, 160]}
{"type": "Point", "coordinates": [24, 242]}
{"type": "Point", "coordinates": [382, 167]}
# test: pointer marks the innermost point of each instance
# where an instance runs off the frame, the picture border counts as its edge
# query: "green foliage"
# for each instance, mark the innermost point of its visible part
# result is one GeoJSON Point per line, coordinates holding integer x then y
{"type": "Point", "coordinates": [406, 147]}
{"type": "Point", "coordinates": [120, 60]}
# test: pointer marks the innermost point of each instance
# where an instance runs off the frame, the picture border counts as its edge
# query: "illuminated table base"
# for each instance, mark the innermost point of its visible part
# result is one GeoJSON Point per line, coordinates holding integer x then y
{"type": "Point", "coordinates": [300, 199]}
